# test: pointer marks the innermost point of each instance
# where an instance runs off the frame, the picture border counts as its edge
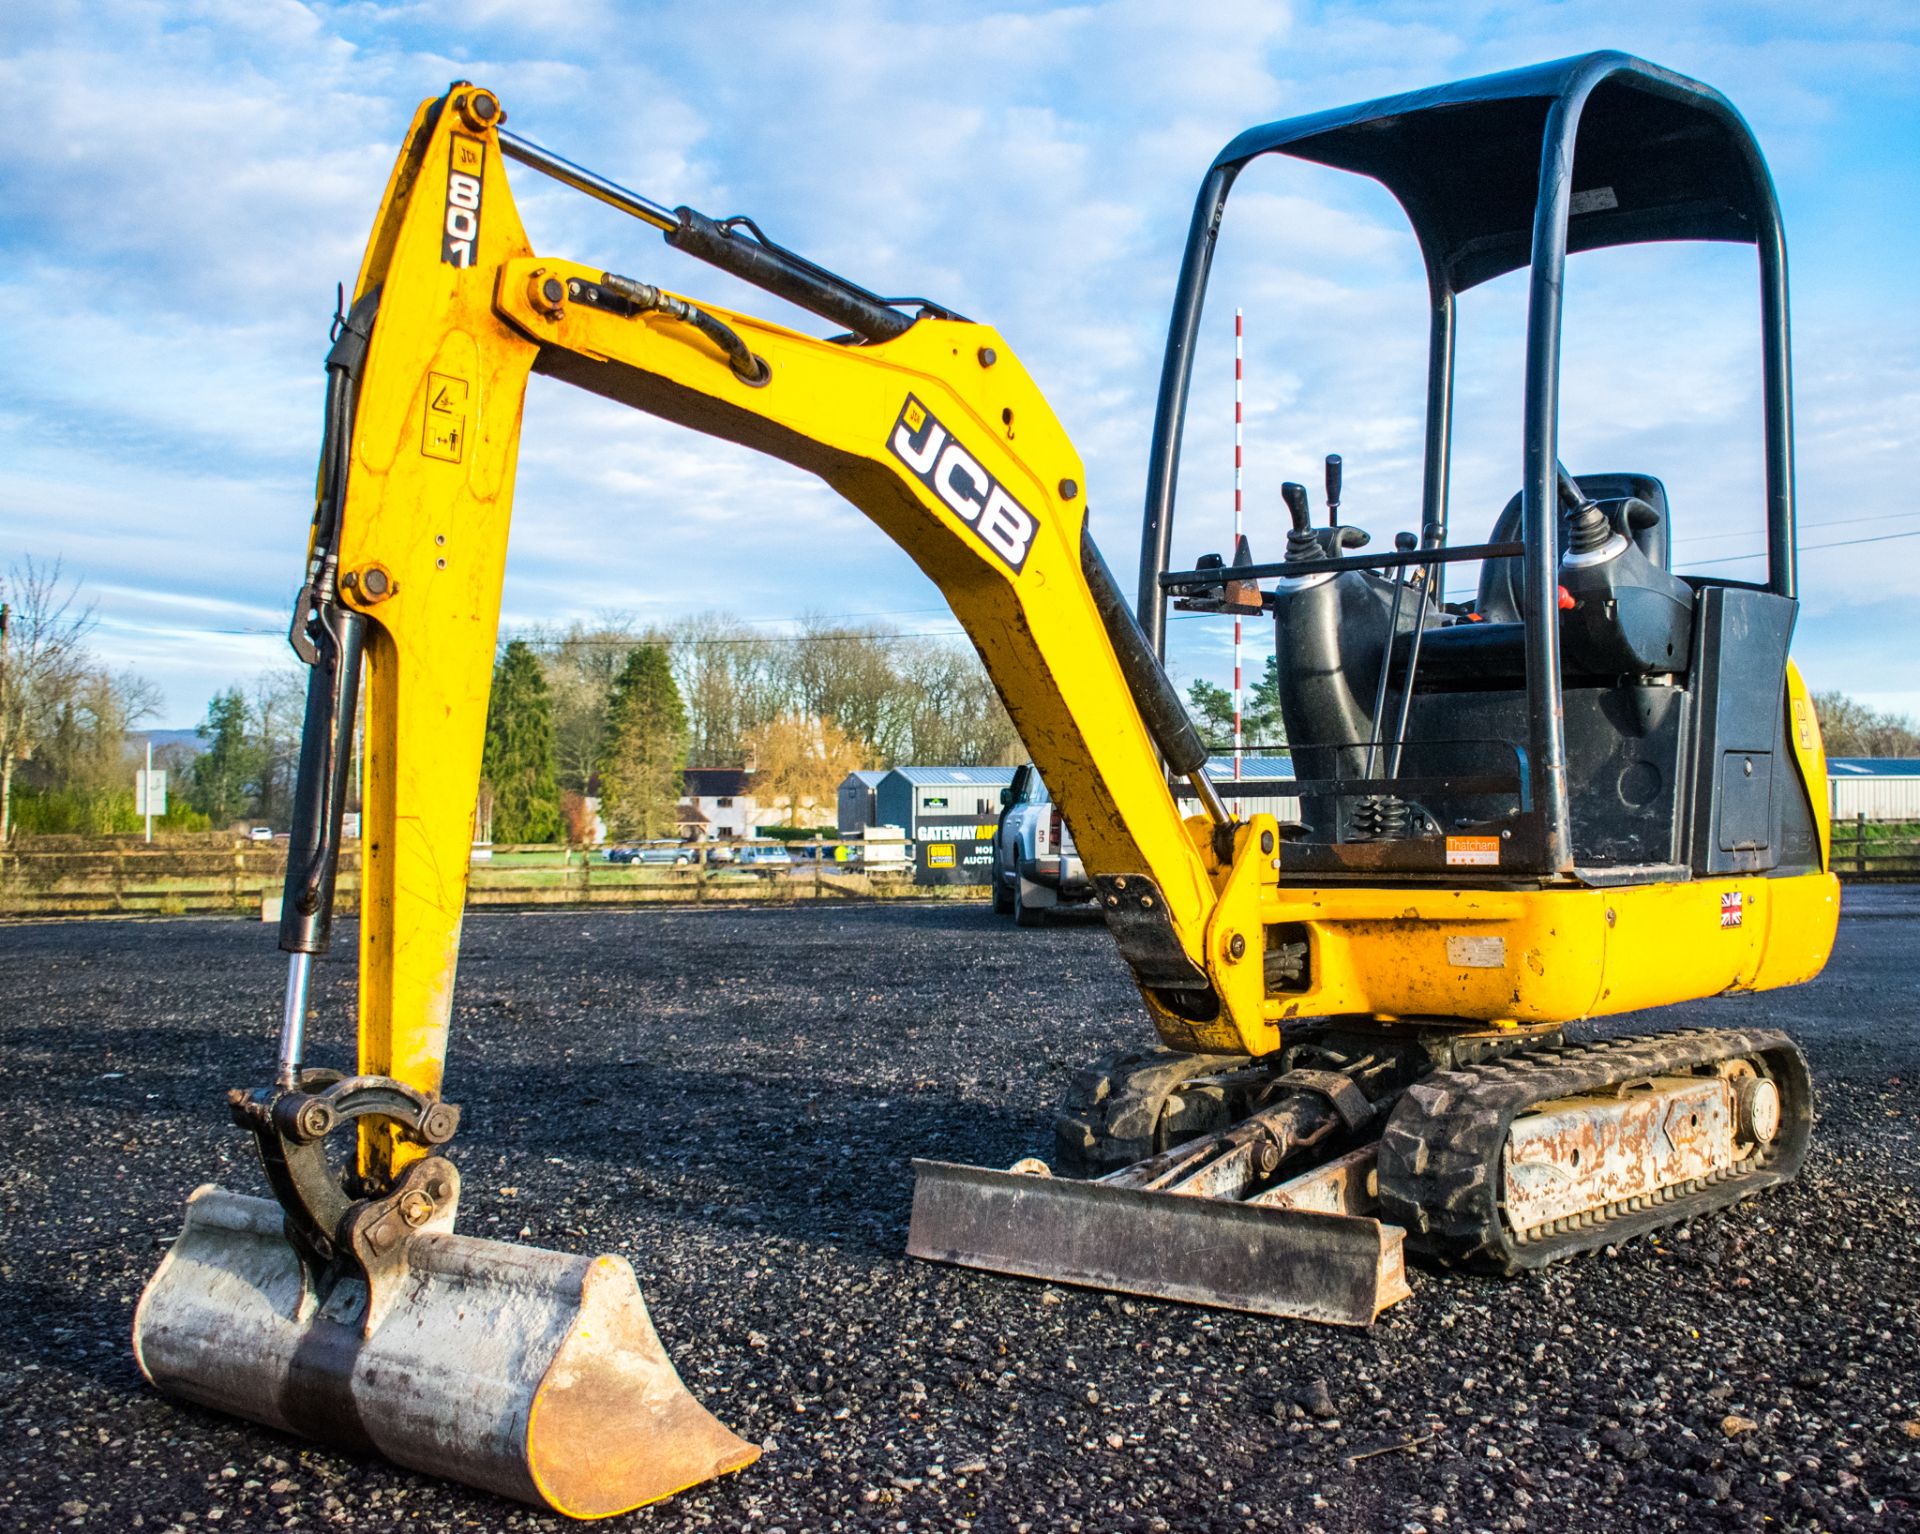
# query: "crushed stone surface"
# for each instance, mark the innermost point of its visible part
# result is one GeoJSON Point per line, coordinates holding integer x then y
{"type": "Point", "coordinates": [730, 1099]}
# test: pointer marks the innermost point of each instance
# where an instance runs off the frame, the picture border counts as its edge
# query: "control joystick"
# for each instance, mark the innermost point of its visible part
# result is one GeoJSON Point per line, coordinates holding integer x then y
{"type": "Point", "coordinates": [1302, 541]}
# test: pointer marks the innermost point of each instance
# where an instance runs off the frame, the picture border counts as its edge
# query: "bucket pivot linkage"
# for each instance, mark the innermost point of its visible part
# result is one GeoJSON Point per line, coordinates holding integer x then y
{"type": "Point", "coordinates": [366, 1322]}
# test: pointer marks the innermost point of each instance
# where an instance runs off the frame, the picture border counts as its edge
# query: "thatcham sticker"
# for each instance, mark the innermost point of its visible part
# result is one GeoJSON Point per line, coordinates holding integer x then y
{"type": "Point", "coordinates": [969, 491]}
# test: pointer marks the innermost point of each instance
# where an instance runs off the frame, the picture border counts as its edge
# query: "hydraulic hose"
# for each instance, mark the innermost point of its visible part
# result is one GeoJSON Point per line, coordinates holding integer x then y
{"type": "Point", "coordinates": [1153, 691]}
{"type": "Point", "coordinates": [747, 367]}
{"type": "Point", "coordinates": [330, 637]}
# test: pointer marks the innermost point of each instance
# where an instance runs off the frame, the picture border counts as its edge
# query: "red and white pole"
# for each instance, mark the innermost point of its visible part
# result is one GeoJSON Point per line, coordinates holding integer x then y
{"type": "Point", "coordinates": [1239, 369]}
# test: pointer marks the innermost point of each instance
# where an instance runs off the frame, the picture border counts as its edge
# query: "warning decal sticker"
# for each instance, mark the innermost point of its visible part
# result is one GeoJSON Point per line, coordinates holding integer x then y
{"type": "Point", "coordinates": [445, 433]}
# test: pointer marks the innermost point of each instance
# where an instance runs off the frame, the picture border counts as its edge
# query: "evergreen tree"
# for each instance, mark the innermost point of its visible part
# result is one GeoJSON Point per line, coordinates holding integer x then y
{"type": "Point", "coordinates": [517, 760]}
{"type": "Point", "coordinates": [644, 749]}
{"type": "Point", "coordinates": [1212, 709]}
{"type": "Point", "coordinates": [224, 773]}
{"type": "Point", "coordinates": [1261, 722]}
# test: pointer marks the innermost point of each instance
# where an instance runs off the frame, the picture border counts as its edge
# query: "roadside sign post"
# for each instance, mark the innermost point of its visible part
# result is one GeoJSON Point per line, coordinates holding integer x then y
{"type": "Point", "coordinates": [150, 791]}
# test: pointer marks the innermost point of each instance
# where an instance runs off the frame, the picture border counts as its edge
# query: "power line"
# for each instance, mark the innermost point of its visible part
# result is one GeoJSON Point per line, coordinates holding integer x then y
{"type": "Point", "coordinates": [1884, 516]}
{"type": "Point", "coordinates": [1843, 543]}
{"type": "Point", "coordinates": [641, 638]}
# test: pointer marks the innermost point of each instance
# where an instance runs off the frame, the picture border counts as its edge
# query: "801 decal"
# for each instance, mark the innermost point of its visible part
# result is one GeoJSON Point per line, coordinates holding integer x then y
{"type": "Point", "coordinates": [973, 495]}
{"type": "Point", "coordinates": [460, 229]}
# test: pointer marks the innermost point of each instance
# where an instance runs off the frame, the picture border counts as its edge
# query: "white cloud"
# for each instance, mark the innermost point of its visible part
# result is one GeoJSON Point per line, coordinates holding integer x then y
{"type": "Point", "coordinates": [185, 183]}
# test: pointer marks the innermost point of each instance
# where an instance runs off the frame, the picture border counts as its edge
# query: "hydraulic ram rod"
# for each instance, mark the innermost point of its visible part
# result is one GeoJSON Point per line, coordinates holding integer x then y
{"type": "Point", "coordinates": [765, 265]}
{"type": "Point", "coordinates": [580, 179]}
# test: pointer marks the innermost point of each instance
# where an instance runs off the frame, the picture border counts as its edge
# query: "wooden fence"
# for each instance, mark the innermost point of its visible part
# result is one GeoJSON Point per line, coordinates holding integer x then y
{"type": "Point", "coordinates": [204, 875]}
{"type": "Point", "coordinates": [1866, 849]}
{"type": "Point", "coordinates": [216, 875]}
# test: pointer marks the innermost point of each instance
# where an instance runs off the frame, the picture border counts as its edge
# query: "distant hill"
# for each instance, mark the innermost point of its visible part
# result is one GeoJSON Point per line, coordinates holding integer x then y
{"type": "Point", "coordinates": [185, 743]}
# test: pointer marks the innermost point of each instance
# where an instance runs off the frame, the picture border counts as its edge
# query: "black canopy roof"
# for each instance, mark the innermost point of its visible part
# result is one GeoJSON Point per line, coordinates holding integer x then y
{"type": "Point", "coordinates": [1658, 157]}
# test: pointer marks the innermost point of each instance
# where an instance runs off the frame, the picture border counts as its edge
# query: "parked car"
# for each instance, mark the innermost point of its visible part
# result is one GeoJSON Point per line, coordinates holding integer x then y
{"type": "Point", "coordinates": [650, 852]}
{"type": "Point", "coordinates": [763, 859]}
{"type": "Point", "coordinates": [260, 833]}
{"type": "Point", "coordinates": [1035, 865]}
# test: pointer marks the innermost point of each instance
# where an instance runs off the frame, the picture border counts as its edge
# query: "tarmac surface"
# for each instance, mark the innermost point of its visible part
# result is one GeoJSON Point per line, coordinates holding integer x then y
{"type": "Point", "coordinates": [730, 1099]}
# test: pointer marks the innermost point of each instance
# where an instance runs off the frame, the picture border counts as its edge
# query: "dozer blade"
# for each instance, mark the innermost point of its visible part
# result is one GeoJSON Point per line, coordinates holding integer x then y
{"type": "Point", "coordinates": [529, 1373]}
{"type": "Point", "coordinates": [1268, 1259]}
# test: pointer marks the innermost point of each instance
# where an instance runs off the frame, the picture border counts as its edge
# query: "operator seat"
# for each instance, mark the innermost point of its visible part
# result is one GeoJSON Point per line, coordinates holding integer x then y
{"type": "Point", "coordinates": [1503, 580]}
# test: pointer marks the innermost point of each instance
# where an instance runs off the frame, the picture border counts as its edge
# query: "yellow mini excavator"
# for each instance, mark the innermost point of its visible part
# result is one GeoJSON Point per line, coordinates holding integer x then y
{"type": "Point", "coordinates": [1589, 786]}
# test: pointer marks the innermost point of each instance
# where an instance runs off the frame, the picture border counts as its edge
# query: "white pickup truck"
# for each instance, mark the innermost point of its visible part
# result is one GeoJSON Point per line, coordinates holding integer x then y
{"type": "Point", "coordinates": [1035, 866]}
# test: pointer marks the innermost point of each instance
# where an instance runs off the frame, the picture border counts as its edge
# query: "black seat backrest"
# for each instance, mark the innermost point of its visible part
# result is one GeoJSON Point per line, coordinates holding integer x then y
{"type": "Point", "coordinates": [1502, 580]}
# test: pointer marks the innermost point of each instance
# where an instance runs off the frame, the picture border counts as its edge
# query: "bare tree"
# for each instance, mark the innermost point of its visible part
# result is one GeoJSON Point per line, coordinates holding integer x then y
{"type": "Point", "coordinates": [43, 661]}
{"type": "Point", "coordinates": [798, 762]}
{"type": "Point", "coordinates": [278, 706]}
{"type": "Point", "coordinates": [1849, 727]}
{"type": "Point", "coordinates": [84, 759]}
{"type": "Point", "coordinates": [896, 698]}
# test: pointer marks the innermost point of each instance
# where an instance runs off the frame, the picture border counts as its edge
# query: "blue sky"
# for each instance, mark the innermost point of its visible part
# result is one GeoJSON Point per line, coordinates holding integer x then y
{"type": "Point", "coordinates": [182, 185]}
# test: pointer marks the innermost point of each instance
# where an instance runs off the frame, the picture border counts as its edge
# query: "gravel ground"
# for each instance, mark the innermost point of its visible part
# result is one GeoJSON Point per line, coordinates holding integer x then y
{"type": "Point", "coordinates": [730, 1099]}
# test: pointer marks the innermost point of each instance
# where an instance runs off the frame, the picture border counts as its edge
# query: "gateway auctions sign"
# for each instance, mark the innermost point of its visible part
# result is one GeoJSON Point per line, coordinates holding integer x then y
{"type": "Point", "coordinates": [954, 854]}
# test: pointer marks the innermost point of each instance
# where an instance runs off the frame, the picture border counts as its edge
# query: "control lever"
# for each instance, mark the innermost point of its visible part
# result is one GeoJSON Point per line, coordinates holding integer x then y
{"type": "Point", "coordinates": [1333, 490]}
{"type": "Point", "coordinates": [1406, 543]}
{"type": "Point", "coordinates": [1301, 542]}
{"type": "Point", "coordinates": [1571, 495]}
{"type": "Point", "coordinates": [1433, 535]}
{"type": "Point", "coordinates": [1587, 526]}
{"type": "Point", "coordinates": [1295, 495]}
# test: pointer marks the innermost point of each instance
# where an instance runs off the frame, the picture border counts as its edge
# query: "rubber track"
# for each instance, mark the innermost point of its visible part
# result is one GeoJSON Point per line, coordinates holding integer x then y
{"type": "Point", "coordinates": [1440, 1154]}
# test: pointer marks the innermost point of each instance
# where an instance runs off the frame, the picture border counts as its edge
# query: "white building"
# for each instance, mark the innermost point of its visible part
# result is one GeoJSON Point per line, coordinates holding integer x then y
{"type": "Point", "coordinates": [718, 804]}
{"type": "Point", "coordinates": [1876, 787]}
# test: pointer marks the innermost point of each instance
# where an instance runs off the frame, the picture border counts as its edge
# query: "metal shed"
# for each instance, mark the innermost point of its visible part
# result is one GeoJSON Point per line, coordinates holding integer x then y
{"type": "Point", "coordinates": [856, 806]}
{"type": "Point", "coordinates": [1874, 787]}
{"type": "Point", "coordinates": [926, 799]}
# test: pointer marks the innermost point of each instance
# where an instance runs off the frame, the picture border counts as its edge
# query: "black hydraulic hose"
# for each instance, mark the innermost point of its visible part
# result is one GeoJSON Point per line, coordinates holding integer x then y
{"type": "Point", "coordinates": [747, 367]}
{"type": "Point", "coordinates": [1153, 691]}
{"type": "Point", "coordinates": [326, 517]}
{"type": "Point", "coordinates": [330, 637]}
{"type": "Point", "coordinates": [326, 766]}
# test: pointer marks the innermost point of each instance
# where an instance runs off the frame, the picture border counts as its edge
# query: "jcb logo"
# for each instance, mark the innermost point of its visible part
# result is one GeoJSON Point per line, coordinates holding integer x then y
{"type": "Point", "coordinates": [952, 473]}
{"type": "Point", "coordinates": [460, 232]}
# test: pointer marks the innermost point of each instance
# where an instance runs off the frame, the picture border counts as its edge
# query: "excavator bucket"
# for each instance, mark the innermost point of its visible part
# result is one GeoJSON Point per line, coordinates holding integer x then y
{"type": "Point", "coordinates": [534, 1374]}
{"type": "Point", "coordinates": [1270, 1259]}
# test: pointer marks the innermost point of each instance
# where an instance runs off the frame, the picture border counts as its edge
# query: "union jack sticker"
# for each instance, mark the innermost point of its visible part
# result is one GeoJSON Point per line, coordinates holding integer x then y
{"type": "Point", "coordinates": [1733, 908]}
